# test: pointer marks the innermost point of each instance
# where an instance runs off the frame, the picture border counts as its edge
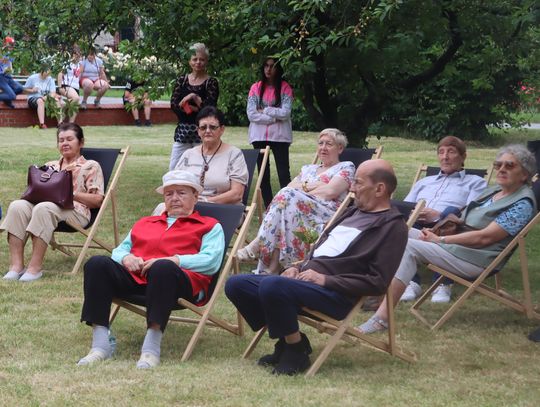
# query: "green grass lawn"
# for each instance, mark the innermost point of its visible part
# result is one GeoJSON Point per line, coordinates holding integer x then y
{"type": "Point", "coordinates": [481, 357]}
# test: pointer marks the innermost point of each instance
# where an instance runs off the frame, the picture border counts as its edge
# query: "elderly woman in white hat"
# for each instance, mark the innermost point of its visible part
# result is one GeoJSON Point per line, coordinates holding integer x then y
{"type": "Point", "coordinates": [164, 258]}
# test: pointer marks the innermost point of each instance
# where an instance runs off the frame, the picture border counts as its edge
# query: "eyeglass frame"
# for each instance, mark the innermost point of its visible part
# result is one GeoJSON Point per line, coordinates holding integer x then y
{"type": "Point", "coordinates": [510, 165]}
{"type": "Point", "coordinates": [210, 127]}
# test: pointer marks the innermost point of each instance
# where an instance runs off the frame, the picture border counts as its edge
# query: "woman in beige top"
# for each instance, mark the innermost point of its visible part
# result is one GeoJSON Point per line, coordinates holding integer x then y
{"type": "Point", "coordinates": [221, 167]}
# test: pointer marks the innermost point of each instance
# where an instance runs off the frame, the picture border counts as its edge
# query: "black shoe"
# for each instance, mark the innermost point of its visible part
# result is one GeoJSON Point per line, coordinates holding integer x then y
{"type": "Point", "coordinates": [148, 123]}
{"type": "Point", "coordinates": [273, 358]}
{"type": "Point", "coordinates": [535, 335]}
{"type": "Point", "coordinates": [295, 358]}
{"type": "Point", "coordinates": [9, 104]}
{"type": "Point", "coordinates": [137, 123]}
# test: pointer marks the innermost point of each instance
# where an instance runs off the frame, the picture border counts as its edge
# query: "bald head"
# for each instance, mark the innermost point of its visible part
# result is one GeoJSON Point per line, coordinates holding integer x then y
{"type": "Point", "coordinates": [374, 184]}
{"type": "Point", "coordinates": [381, 171]}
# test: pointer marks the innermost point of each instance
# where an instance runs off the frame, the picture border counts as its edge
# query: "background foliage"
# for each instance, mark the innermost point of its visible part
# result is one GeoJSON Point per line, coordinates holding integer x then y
{"type": "Point", "coordinates": [431, 67]}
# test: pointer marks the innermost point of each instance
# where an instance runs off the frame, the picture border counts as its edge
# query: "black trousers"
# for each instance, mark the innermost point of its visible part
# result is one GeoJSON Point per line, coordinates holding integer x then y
{"type": "Point", "coordinates": [105, 279]}
{"type": "Point", "coordinates": [280, 152]}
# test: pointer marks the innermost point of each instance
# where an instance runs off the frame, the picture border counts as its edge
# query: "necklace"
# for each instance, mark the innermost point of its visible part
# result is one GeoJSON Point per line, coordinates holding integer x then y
{"type": "Point", "coordinates": [206, 166]}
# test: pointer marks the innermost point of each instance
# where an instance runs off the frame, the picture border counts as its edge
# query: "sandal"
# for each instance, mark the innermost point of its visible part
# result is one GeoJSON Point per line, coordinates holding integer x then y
{"type": "Point", "coordinates": [247, 254]}
{"type": "Point", "coordinates": [372, 325]}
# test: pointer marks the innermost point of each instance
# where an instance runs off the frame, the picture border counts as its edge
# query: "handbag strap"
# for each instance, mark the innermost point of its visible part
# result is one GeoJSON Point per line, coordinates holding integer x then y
{"type": "Point", "coordinates": [47, 173]}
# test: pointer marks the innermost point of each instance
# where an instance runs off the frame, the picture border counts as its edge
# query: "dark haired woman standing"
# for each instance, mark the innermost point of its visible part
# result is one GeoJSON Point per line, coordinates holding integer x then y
{"type": "Point", "coordinates": [269, 113]}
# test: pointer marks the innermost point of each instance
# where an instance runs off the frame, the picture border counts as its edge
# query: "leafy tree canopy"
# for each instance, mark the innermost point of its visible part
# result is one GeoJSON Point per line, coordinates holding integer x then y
{"type": "Point", "coordinates": [432, 66]}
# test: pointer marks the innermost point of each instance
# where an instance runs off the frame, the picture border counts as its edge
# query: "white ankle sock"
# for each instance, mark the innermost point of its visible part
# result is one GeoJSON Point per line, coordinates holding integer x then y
{"type": "Point", "coordinates": [100, 339]}
{"type": "Point", "coordinates": [152, 342]}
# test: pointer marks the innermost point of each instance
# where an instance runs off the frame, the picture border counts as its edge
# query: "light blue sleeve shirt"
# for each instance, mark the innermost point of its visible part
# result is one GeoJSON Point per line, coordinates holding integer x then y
{"type": "Point", "coordinates": [207, 261]}
{"type": "Point", "coordinates": [48, 85]}
{"type": "Point", "coordinates": [441, 191]}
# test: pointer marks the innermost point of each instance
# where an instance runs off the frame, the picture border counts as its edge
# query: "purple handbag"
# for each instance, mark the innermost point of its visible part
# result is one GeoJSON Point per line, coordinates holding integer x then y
{"type": "Point", "coordinates": [45, 184]}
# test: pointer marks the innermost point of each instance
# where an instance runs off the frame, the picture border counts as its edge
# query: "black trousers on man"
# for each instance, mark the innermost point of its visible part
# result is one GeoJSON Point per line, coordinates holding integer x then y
{"type": "Point", "coordinates": [105, 279]}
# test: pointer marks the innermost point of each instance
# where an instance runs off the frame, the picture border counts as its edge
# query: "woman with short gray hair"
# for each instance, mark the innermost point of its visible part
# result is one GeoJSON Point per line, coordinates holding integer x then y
{"type": "Point", "coordinates": [306, 204]}
{"type": "Point", "coordinates": [191, 93]}
{"type": "Point", "coordinates": [521, 154]}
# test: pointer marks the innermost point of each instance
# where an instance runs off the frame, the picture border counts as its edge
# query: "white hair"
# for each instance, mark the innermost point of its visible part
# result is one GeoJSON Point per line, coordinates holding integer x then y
{"type": "Point", "coordinates": [200, 47]}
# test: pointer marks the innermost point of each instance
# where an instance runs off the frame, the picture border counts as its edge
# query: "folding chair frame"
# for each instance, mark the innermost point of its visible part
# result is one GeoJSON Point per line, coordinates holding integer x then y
{"type": "Point", "coordinates": [478, 285]}
{"type": "Point", "coordinates": [343, 329]}
{"type": "Point", "coordinates": [204, 312]}
{"type": "Point", "coordinates": [257, 199]}
{"type": "Point", "coordinates": [90, 233]}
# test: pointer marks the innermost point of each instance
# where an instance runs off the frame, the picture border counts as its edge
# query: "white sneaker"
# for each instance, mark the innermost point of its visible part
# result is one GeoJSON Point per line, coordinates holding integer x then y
{"type": "Point", "coordinates": [412, 291]}
{"type": "Point", "coordinates": [442, 294]}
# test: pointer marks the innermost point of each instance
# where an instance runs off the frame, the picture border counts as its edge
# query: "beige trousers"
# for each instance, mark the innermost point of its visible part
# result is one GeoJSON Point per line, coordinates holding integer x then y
{"type": "Point", "coordinates": [39, 220]}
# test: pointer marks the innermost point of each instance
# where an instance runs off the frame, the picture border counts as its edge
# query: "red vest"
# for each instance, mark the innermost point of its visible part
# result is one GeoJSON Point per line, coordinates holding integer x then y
{"type": "Point", "coordinates": [150, 239]}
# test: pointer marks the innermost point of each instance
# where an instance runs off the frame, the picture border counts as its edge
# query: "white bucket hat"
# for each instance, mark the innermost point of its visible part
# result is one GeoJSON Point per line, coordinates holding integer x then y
{"type": "Point", "coordinates": [180, 177]}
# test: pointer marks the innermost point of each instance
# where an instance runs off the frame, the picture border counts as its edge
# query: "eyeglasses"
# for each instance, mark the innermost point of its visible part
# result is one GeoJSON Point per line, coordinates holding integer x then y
{"type": "Point", "coordinates": [210, 127]}
{"type": "Point", "coordinates": [509, 165]}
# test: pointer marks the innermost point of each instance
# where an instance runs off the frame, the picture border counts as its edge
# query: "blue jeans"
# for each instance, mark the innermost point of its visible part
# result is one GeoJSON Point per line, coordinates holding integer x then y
{"type": "Point", "coordinates": [10, 88]}
{"type": "Point", "coordinates": [275, 301]}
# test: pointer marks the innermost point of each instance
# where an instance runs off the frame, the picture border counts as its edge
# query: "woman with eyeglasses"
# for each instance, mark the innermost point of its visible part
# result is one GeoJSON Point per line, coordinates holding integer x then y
{"type": "Point", "coordinates": [192, 92]}
{"type": "Point", "coordinates": [220, 167]}
{"type": "Point", "coordinates": [269, 112]}
{"type": "Point", "coordinates": [491, 222]}
{"type": "Point", "coordinates": [306, 204]}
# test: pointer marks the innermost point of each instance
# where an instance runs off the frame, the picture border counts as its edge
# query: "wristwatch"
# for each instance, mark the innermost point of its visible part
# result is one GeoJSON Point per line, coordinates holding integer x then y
{"type": "Point", "coordinates": [442, 239]}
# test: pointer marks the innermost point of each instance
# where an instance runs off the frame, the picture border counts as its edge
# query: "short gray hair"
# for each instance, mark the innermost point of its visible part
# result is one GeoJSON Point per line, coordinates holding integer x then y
{"type": "Point", "coordinates": [200, 47]}
{"type": "Point", "coordinates": [338, 136]}
{"type": "Point", "coordinates": [525, 157]}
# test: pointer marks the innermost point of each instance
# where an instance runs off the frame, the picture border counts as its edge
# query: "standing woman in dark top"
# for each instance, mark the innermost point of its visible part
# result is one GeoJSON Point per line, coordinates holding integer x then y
{"type": "Point", "coordinates": [269, 112]}
{"type": "Point", "coordinates": [191, 93]}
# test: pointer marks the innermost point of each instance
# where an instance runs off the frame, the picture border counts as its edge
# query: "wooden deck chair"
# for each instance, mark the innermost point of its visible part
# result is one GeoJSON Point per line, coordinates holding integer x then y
{"type": "Point", "coordinates": [426, 171]}
{"type": "Point", "coordinates": [356, 155]}
{"type": "Point", "coordinates": [251, 156]}
{"type": "Point", "coordinates": [229, 217]}
{"type": "Point", "coordinates": [344, 329]}
{"type": "Point", "coordinates": [479, 285]}
{"type": "Point", "coordinates": [107, 158]}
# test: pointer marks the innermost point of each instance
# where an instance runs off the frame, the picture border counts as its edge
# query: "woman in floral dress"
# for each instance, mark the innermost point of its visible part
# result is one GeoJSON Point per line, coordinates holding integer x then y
{"type": "Point", "coordinates": [308, 202]}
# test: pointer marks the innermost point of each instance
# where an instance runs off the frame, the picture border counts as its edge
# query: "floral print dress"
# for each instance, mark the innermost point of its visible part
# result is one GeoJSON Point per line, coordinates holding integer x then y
{"type": "Point", "coordinates": [293, 209]}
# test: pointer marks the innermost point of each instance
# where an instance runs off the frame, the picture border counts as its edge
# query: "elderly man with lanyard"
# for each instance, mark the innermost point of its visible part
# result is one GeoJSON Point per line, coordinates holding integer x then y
{"type": "Point", "coordinates": [356, 256]}
{"type": "Point", "coordinates": [9, 87]}
{"type": "Point", "coordinates": [447, 192]}
{"type": "Point", "coordinates": [166, 257]}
